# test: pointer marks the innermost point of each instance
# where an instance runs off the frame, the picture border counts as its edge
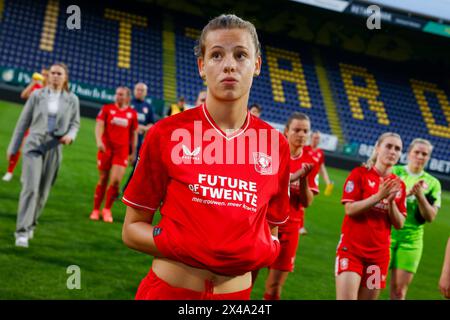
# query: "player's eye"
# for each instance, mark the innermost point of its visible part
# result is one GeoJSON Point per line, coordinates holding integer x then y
{"type": "Point", "coordinates": [215, 55]}
{"type": "Point", "coordinates": [241, 55]}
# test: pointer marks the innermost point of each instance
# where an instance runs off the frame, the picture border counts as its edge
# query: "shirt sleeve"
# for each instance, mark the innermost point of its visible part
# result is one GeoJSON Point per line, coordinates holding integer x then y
{"type": "Point", "coordinates": [278, 210]}
{"type": "Point", "coordinates": [352, 187]}
{"type": "Point", "coordinates": [313, 179]}
{"type": "Point", "coordinates": [103, 114]}
{"type": "Point", "coordinates": [435, 194]}
{"type": "Point", "coordinates": [322, 158]}
{"type": "Point", "coordinates": [148, 185]}
{"type": "Point", "coordinates": [401, 200]}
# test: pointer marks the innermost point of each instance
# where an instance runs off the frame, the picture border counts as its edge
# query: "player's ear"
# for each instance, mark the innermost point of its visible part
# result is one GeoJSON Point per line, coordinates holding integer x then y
{"type": "Point", "coordinates": [258, 63]}
{"type": "Point", "coordinates": [200, 65]}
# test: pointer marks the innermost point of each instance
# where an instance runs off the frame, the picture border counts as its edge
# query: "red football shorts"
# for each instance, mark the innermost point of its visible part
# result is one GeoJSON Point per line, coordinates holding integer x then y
{"type": "Point", "coordinates": [373, 272]}
{"type": "Point", "coordinates": [154, 288]}
{"type": "Point", "coordinates": [112, 156]}
{"type": "Point", "coordinates": [288, 250]}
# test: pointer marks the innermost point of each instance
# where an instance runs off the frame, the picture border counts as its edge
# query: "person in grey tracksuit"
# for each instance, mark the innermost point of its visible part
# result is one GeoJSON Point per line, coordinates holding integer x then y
{"type": "Point", "coordinates": [53, 116]}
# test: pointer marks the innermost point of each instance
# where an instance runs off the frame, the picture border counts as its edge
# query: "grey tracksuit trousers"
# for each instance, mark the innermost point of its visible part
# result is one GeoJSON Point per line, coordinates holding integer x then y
{"type": "Point", "coordinates": [39, 171]}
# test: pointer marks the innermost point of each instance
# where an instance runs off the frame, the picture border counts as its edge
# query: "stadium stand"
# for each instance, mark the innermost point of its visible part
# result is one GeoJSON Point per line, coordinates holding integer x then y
{"type": "Point", "coordinates": [368, 96]}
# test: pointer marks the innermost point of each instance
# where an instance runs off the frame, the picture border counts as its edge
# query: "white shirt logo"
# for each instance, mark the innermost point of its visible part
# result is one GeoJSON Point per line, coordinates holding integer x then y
{"type": "Point", "coordinates": [371, 184]}
{"type": "Point", "coordinates": [188, 154]}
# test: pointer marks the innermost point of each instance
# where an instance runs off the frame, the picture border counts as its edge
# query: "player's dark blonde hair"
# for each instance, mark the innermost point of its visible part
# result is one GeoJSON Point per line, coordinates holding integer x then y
{"type": "Point", "coordinates": [420, 141]}
{"type": "Point", "coordinates": [227, 21]}
{"type": "Point", "coordinates": [373, 158]}
{"type": "Point", "coordinates": [296, 116]}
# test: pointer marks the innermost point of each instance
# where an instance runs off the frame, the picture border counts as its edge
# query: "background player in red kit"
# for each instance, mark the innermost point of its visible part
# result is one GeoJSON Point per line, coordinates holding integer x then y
{"type": "Point", "coordinates": [217, 216]}
{"type": "Point", "coordinates": [303, 170]}
{"type": "Point", "coordinates": [116, 136]}
{"type": "Point", "coordinates": [375, 200]}
{"type": "Point", "coordinates": [318, 157]}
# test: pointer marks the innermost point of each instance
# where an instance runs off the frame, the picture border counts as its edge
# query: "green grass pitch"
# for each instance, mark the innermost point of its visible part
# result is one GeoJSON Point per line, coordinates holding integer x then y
{"type": "Point", "coordinates": [109, 270]}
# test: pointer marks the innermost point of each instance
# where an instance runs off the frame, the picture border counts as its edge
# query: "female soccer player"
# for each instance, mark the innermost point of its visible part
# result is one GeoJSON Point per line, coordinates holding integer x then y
{"type": "Point", "coordinates": [116, 136]}
{"type": "Point", "coordinates": [374, 200]}
{"type": "Point", "coordinates": [53, 116]}
{"type": "Point", "coordinates": [222, 176]}
{"type": "Point", "coordinates": [423, 202]}
{"type": "Point", "coordinates": [302, 190]}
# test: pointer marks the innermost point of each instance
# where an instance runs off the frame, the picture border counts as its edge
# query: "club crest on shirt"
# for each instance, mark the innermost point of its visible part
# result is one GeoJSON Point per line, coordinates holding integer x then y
{"type": "Point", "coordinates": [263, 163]}
{"type": "Point", "coordinates": [371, 183]}
{"type": "Point", "coordinates": [145, 110]}
{"type": "Point", "coordinates": [349, 187]}
{"type": "Point", "coordinates": [129, 115]}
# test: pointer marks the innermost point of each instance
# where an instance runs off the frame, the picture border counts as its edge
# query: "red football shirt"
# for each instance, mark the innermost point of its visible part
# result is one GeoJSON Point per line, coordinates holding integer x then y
{"type": "Point", "coordinates": [36, 86]}
{"type": "Point", "coordinates": [368, 234]}
{"type": "Point", "coordinates": [119, 124]}
{"type": "Point", "coordinates": [218, 192]}
{"type": "Point", "coordinates": [317, 155]}
{"type": "Point", "coordinates": [296, 209]}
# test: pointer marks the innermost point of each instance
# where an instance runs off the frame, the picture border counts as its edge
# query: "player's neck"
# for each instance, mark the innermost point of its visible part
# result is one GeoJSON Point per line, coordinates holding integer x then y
{"type": "Point", "coordinates": [121, 107]}
{"type": "Point", "coordinates": [382, 169]}
{"type": "Point", "coordinates": [227, 115]}
{"type": "Point", "coordinates": [296, 151]}
{"type": "Point", "coordinates": [414, 170]}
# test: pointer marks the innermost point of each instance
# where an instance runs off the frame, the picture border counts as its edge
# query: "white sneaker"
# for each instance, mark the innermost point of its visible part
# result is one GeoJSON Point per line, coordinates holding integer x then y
{"type": "Point", "coordinates": [7, 177]}
{"type": "Point", "coordinates": [30, 234]}
{"type": "Point", "coordinates": [22, 241]}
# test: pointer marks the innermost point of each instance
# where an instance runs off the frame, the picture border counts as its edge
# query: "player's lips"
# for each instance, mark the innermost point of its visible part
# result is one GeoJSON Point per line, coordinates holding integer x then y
{"type": "Point", "coordinates": [229, 80]}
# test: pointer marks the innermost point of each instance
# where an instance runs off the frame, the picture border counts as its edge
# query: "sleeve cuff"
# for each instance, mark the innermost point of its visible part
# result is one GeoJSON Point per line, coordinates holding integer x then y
{"type": "Point", "coordinates": [138, 206]}
{"type": "Point", "coordinates": [277, 222]}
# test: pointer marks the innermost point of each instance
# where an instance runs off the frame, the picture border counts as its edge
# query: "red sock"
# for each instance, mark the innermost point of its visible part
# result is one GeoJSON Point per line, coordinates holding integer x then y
{"type": "Point", "coordinates": [13, 162]}
{"type": "Point", "coordinates": [271, 297]}
{"type": "Point", "coordinates": [99, 195]}
{"type": "Point", "coordinates": [111, 195]}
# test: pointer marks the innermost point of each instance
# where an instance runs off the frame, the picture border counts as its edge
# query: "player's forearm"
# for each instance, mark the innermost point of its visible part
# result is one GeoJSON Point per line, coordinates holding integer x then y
{"type": "Point", "coordinates": [396, 217]}
{"type": "Point", "coordinates": [25, 94]}
{"type": "Point", "coordinates": [99, 129]}
{"type": "Point", "coordinates": [324, 174]}
{"type": "Point", "coordinates": [446, 265]}
{"type": "Point", "coordinates": [306, 195]}
{"type": "Point", "coordinates": [427, 211]}
{"type": "Point", "coordinates": [139, 236]}
{"type": "Point", "coordinates": [137, 232]}
{"type": "Point", "coordinates": [357, 207]}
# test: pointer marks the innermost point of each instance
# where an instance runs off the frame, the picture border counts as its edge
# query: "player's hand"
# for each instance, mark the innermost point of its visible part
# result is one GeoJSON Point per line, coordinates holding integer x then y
{"type": "Point", "coordinates": [66, 140]}
{"type": "Point", "coordinates": [417, 188]}
{"type": "Point", "coordinates": [101, 146]}
{"type": "Point", "coordinates": [131, 159]}
{"type": "Point", "coordinates": [444, 285]}
{"type": "Point", "coordinates": [387, 187]}
{"type": "Point", "coordinates": [305, 170]}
